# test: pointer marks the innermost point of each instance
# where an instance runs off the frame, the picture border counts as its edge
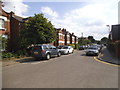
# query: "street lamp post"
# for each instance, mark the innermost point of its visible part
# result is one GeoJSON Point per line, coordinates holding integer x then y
{"type": "Point", "coordinates": [108, 27]}
{"type": "Point", "coordinates": [110, 34]}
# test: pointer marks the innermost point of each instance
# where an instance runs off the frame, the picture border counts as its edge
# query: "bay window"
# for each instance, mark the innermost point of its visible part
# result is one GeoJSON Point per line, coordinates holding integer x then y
{"type": "Point", "coordinates": [2, 23]}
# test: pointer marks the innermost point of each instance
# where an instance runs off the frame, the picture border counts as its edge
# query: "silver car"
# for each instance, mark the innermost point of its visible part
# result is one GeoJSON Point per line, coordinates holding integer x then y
{"type": "Point", "coordinates": [66, 50]}
{"type": "Point", "coordinates": [45, 51]}
{"type": "Point", "coordinates": [92, 51]}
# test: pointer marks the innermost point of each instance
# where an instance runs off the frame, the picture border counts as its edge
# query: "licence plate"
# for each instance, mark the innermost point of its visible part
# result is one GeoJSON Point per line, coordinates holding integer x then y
{"type": "Point", "coordinates": [91, 52]}
{"type": "Point", "coordinates": [35, 52]}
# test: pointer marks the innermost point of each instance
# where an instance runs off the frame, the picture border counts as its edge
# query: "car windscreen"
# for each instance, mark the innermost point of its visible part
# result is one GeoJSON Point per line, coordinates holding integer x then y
{"type": "Point", "coordinates": [65, 47]}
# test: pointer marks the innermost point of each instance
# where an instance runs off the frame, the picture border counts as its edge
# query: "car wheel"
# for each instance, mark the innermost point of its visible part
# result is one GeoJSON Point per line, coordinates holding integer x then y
{"type": "Point", "coordinates": [68, 52]}
{"type": "Point", "coordinates": [48, 56]}
{"type": "Point", "coordinates": [72, 51]}
{"type": "Point", "coordinates": [59, 54]}
{"type": "Point", "coordinates": [97, 54]}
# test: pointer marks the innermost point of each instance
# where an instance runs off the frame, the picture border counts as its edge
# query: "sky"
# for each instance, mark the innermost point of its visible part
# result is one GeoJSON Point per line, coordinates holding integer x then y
{"type": "Point", "coordinates": [89, 17]}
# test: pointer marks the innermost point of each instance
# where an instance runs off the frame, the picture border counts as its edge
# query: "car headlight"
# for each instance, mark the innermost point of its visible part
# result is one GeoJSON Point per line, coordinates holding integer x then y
{"type": "Point", "coordinates": [96, 51]}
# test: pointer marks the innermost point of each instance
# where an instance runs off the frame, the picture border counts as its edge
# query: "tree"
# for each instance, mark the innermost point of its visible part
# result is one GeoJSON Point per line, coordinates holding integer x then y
{"type": "Point", "coordinates": [104, 40]}
{"type": "Point", "coordinates": [83, 41]}
{"type": "Point", "coordinates": [37, 30]}
{"type": "Point", "coordinates": [91, 39]}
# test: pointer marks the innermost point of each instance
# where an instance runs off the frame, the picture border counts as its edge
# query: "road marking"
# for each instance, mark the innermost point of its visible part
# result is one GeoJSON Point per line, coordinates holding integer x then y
{"type": "Point", "coordinates": [106, 62]}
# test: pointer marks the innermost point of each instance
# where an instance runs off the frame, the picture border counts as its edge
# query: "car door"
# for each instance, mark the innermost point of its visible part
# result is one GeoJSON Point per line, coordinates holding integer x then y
{"type": "Point", "coordinates": [54, 50]}
{"type": "Point", "coordinates": [50, 50]}
{"type": "Point", "coordinates": [70, 49]}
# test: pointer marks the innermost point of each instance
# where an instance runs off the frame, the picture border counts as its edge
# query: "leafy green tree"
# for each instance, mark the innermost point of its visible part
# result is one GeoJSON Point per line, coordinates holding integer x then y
{"type": "Point", "coordinates": [91, 39]}
{"type": "Point", "coordinates": [37, 30]}
{"type": "Point", "coordinates": [104, 40]}
{"type": "Point", "coordinates": [83, 41]}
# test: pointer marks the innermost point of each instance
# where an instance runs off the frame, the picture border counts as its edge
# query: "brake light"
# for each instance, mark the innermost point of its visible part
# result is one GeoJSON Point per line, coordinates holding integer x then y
{"type": "Point", "coordinates": [42, 51]}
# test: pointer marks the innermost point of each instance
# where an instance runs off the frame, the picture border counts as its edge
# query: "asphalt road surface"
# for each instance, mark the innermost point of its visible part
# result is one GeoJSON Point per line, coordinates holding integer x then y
{"type": "Point", "coordinates": [68, 71]}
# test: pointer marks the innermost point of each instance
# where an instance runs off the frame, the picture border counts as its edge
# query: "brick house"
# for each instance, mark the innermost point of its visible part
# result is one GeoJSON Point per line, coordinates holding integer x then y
{"type": "Point", "coordinates": [4, 23]}
{"type": "Point", "coordinates": [65, 38]}
{"type": "Point", "coordinates": [10, 26]}
{"type": "Point", "coordinates": [73, 38]}
{"type": "Point", "coordinates": [15, 23]}
{"type": "Point", "coordinates": [60, 40]}
{"type": "Point", "coordinates": [68, 38]}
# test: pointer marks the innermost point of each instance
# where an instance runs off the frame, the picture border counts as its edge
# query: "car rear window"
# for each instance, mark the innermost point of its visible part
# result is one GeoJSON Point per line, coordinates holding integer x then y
{"type": "Point", "coordinates": [37, 48]}
{"type": "Point", "coordinates": [92, 48]}
{"type": "Point", "coordinates": [65, 47]}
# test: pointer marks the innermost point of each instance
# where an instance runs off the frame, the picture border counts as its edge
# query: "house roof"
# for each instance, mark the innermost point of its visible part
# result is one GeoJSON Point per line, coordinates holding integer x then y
{"type": "Point", "coordinates": [17, 17]}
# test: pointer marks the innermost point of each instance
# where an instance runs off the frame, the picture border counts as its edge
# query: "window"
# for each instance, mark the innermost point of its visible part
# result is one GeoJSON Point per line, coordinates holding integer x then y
{"type": "Point", "coordinates": [1, 23]}
{"type": "Point", "coordinates": [45, 47]}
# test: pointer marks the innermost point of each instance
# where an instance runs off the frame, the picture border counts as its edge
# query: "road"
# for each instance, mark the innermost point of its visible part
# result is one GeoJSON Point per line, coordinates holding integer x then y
{"type": "Point", "coordinates": [68, 71]}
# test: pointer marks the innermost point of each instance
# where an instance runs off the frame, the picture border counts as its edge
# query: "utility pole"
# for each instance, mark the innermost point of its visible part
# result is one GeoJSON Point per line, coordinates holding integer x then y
{"type": "Point", "coordinates": [82, 35]}
{"type": "Point", "coordinates": [14, 9]}
{"type": "Point", "coordinates": [108, 28]}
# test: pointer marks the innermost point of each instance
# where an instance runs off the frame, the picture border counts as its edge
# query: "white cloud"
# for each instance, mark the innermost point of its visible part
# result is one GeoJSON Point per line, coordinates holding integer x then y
{"type": "Point", "coordinates": [91, 20]}
{"type": "Point", "coordinates": [49, 11]}
{"type": "Point", "coordinates": [16, 6]}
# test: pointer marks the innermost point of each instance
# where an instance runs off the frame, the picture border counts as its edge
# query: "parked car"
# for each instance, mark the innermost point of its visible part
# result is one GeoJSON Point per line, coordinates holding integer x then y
{"type": "Point", "coordinates": [67, 50]}
{"type": "Point", "coordinates": [81, 48]}
{"type": "Point", "coordinates": [45, 51]}
{"type": "Point", "coordinates": [97, 46]}
{"type": "Point", "coordinates": [92, 51]}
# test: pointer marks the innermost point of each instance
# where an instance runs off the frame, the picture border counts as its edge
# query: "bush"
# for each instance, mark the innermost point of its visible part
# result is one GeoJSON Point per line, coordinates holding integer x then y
{"type": "Point", "coordinates": [20, 53]}
{"type": "Point", "coordinates": [76, 46]}
{"type": "Point", "coordinates": [7, 55]}
{"type": "Point", "coordinates": [111, 47]}
{"type": "Point", "coordinates": [73, 45]}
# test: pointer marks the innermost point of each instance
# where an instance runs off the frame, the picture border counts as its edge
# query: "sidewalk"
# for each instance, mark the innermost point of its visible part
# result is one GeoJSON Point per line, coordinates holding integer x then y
{"type": "Point", "coordinates": [106, 56]}
{"type": "Point", "coordinates": [16, 61]}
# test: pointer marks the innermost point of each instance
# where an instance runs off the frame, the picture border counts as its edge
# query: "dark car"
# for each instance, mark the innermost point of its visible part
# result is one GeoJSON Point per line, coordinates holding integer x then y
{"type": "Point", "coordinates": [45, 51]}
{"type": "Point", "coordinates": [81, 47]}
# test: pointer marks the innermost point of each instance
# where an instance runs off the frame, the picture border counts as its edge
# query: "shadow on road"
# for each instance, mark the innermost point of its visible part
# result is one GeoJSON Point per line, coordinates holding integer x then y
{"type": "Point", "coordinates": [31, 60]}
{"type": "Point", "coordinates": [87, 55]}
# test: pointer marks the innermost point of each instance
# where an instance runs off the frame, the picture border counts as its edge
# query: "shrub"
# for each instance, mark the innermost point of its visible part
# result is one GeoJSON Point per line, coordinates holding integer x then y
{"type": "Point", "coordinates": [7, 55]}
{"type": "Point", "coordinates": [111, 47]}
{"type": "Point", "coordinates": [73, 45]}
{"type": "Point", "coordinates": [76, 46]}
{"type": "Point", "coordinates": [20, 53]}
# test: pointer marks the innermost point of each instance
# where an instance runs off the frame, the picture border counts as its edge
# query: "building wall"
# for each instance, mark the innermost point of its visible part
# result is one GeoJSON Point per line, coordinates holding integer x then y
{"type": "Point", "coordinates": [61, 40]}
{"type": "Point", "coordinates": [5, 26]}
{"type": "Point", "coordinates": [5, 30]}
{"type": "Point", "coordinates": [65, 38]}
{"type": "Point", "coordinates": [115, 32]}
{"type": "Point", "coordinates": [14, 34]}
